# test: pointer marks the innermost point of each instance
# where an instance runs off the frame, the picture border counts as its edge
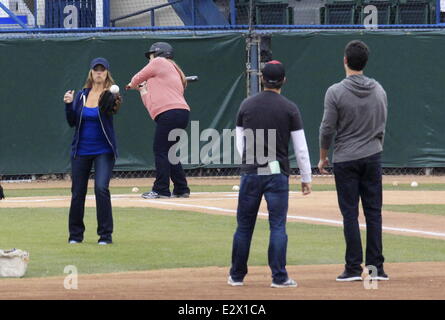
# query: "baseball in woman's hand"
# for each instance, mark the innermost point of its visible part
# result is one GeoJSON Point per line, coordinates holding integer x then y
{"type": "Point", "coordinates": [69, 96]}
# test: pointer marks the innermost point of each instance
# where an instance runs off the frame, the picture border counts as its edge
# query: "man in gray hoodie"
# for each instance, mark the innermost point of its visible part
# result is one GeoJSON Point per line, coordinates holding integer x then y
{"type": "Point", "coordinates": [355, 112]}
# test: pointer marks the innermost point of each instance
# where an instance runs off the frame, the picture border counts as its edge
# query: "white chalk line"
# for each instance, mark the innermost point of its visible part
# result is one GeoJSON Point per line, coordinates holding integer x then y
{"type": "Point", "coordinates": [328, 221]}
{"type": "Point", "coordinates": [174, 203]}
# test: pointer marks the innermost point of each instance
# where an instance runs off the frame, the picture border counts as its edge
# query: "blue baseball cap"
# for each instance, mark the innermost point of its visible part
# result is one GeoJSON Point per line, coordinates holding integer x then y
{"type": "Point", "coordinates": [101, 61]}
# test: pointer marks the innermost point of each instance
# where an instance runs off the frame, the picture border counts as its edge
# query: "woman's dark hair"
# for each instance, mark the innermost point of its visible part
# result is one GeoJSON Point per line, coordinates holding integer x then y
{"type": "Point", "coordinates": [356, 53]}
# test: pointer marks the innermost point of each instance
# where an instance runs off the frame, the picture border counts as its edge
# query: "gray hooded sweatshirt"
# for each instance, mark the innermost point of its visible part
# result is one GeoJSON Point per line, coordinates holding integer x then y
{"type": "Point", "coordinates": [355, 112]}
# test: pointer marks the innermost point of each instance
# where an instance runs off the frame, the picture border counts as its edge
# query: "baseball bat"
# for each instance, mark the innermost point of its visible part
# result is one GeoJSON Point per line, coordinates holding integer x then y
{"type": "Point", "coordinates": [189, 79]}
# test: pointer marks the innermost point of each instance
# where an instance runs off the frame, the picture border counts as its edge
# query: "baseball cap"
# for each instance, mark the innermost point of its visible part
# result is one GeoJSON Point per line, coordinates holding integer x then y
{"type": "Point", "coordinates": [101, 61]}
{"type": "Point", "coordinates": [273, 72]}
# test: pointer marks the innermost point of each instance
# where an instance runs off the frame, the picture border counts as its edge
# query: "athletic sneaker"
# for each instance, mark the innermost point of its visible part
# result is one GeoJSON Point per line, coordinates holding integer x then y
{"type": "Point", "coordinates": [104, 243]}
{"type": "Point", "coordinates": [381, 276]}
{"type": "Point", "coordinates": [234, 283]}
{"type": "Point", "coordinates": [347, 276]}
{"type": "Point", "coordinates": [182, 195]}
{"type": "Point", "coordinates": [289, 283]}
{"type": "Point", "coordinates": [153, 195]}
{"type": "Point", "coordinates": [74, 242]}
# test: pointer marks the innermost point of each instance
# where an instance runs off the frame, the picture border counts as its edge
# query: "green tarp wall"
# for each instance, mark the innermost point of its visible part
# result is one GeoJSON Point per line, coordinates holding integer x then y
{"type": "Point", "coordinates": [35, 73]}
{"type": "Point", "coordinates": [409, 65]}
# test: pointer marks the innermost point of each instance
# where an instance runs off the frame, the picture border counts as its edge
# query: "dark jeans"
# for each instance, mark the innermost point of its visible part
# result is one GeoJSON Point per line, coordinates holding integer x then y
{"type": "Point", "coordinates": [81, 168]}
{"type": "Point", "coordinates": [165, 122]}
{"type": "Point", "coordinates": [276, 192]}
{"type": "Point", "coordinates": [355, 180]}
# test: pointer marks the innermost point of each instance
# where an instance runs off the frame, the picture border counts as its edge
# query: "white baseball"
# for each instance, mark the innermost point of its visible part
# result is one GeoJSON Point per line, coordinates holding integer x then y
{"type": "Point", "coordinates": [135, 189]}
{"type": "Point", "coordinates": [114, 89]}
{"type": "Point", "coordinates": [235, 188]}
{"type": "Point", "coordinates": [414, 184]}
{"type": "Point", "coordinates": [395, 183]}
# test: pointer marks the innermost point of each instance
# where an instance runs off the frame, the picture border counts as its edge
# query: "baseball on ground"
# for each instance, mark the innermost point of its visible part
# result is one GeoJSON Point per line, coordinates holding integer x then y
{"type": "Point", "coordinates": [414, 184]}
{"type": "Point", "coordinates": [135, 189]}
{"type": "Point", "coordinates": [235, 188]}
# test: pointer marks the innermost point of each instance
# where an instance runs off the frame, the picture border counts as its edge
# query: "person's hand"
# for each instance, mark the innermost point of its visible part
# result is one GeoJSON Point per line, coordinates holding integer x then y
{"type": "Point", "coordinates": [306, 188]}
{"type": "Point", "coordinates": [69, 96]}
{"type": "Point", "coordinates": [322, 164]}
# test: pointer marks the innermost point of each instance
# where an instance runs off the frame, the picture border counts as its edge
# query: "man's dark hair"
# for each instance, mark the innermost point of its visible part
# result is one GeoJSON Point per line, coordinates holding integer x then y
{"type": "Point", "coordinates": [276, 85]}
{"type": "Point", "coordinates": [356, 53]}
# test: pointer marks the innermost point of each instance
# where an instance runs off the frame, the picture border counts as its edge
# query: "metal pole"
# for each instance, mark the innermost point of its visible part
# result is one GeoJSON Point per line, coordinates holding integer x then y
{"type": "Point", "coordinates": [438, 12]}
{"type": "Point", "coordinates": [106, 13]}
{"type": "Point", "coordinates": [254, 67]}
{"type": "Point", "coordinates": [232, 12]}
{"type": "Point", "coordinates": [193, 13]}
{"type": "Point", "coordinates": [253, 60]}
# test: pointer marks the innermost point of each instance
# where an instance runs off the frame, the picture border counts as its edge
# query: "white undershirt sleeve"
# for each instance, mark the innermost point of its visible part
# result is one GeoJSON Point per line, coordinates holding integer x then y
{"type": "Point", "coordinates": [302, 155]}
{"type": "Point", "coordinates": [239, 133]}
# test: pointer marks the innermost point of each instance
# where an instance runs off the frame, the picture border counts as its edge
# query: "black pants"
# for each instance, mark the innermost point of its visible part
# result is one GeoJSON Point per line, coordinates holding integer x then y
{"type": "Point", "coordinates": [165, 122]}
{"type": "Point", "coordinates": [81, 168]}
{"type": "Point", "coordinates": [355, 180]}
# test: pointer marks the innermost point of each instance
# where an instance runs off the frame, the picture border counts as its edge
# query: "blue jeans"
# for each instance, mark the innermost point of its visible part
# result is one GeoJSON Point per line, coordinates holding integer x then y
{"type": "Point", "coordinates": [165, 122]}
{"type": "Point", "coordinates": [275, 189]}
{"type": "Point", "coordinates": [81, 168]}
{"type": "Point", "coordinates": [355, 180]}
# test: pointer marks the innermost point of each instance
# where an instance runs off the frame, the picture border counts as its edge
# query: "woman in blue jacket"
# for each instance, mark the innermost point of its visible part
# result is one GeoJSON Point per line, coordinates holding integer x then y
{"type": "Point", "coordinates": [93, 143]}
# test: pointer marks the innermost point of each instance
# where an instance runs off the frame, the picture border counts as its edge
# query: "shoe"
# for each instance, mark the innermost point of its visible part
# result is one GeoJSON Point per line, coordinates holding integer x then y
{"type": "Point", "coordinates": [104, 243]}
{"type": "Point", "coordinates": [289, 283]}
{"type": "Point", "coordinates": [234, 283]}
{"type": "Point", "coordinates": [182, 195]}
{"type": "Point", "coordinates": [153, 195]}
{"type": "Point", "coordinates": [381, 276]}
{"type": "Point", "coordinates": [74, 241]}
{"type": "Point", "coordinates": [347, 276]}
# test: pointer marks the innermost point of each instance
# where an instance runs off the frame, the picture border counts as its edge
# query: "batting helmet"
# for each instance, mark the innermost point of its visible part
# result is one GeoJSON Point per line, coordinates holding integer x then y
{"type": "Point", "coordinates": [160, 49]}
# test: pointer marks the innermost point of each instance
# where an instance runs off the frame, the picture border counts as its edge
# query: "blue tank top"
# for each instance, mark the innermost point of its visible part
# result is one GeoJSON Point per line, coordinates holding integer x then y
{"type": "Point", "coordinates": [92, 139]}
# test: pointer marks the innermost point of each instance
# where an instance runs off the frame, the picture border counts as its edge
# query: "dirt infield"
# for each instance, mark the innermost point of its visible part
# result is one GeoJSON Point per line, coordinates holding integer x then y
{"type": "Point", "coordinates": [407, 281]}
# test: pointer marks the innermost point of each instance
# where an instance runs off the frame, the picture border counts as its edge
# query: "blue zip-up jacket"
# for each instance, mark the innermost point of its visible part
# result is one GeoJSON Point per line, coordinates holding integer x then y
{"type": "Point", "coordinates": [74, 118]}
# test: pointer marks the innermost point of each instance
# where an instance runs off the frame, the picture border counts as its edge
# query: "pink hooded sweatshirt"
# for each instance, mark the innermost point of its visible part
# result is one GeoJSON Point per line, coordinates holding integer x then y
{"type": "Point", "coordinates": [162, 88]}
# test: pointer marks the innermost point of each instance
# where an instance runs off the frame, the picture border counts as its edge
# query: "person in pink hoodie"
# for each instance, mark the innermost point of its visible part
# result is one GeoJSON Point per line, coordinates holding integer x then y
{"type": "Point", "coordinates": [161, 84]}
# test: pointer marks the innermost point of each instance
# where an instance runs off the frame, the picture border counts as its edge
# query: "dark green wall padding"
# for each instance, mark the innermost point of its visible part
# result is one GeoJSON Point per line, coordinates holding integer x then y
{"type": "Point", "coordinates": [410, 67]}
{"type": "Point", "coordinates": [35, 73]}
{"type": "Point", "coordinates": [34, 135]}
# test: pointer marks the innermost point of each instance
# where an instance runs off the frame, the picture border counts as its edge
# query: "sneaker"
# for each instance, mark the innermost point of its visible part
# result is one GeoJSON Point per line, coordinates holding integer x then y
{"type": "Point", "coordinates": [381, 276]}
{"type": "Point", "coordinates": [347, 276]}
{"type": "Point", "coordinates": [153, 195]}
{"type": "Point", "coordinates": [104, 243]}
{"type": "Point", "coordinates": [234, 283]}
{"type": "Point", "coordinates": [74, 241]}
{"type": "Point", "coordinates": [182, 195]}
{"type": "Point", "coordinates": [289, 283]}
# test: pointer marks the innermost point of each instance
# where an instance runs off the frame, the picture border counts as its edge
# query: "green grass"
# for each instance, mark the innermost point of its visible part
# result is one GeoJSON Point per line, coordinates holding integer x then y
{"type": "Point", "coordinates": [147, 239]}
{"type": "Point", "coordinates": [433, 209]}
{"type": "Point", "coordinates": [203, 188]}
